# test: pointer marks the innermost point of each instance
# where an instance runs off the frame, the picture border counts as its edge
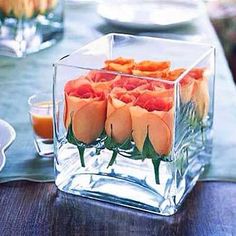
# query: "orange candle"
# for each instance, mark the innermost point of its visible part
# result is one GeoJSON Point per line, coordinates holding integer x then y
{"type": "Point", "coordinates": [42, 120]}
{"type": "Point", "coordinates": [43, 126]}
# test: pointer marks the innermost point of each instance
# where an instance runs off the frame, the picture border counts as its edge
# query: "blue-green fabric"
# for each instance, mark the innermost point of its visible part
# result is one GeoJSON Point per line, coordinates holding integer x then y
{"type": "Point", "coordinates": [20, 78]}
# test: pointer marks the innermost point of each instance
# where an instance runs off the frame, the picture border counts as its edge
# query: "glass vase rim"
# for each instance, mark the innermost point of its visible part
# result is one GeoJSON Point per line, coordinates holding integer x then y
{"type": "Point", "coordinates": [210, 50]}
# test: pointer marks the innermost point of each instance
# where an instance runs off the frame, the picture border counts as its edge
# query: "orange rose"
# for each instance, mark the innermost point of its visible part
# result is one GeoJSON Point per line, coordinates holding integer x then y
{"type": "Point", "coordinates": [26, 8]}
{"type": "Point", "coordinates": [200, 91]}
{"type": "Point", "coordinates": [186, 84]}
{"type": "Point", "coordinates": [101, 80]}
{"type": "Point", "coordinates": [118, 123]}
{"type": "Point", "coordinates": [196, 73]}
{"type": "Point", "coordinates": [120, 64]}
{"type": "Point", "coordinates": [152, 115]}
{"type": "Point", "coordinates": [86, 109]}
{"type": "Point", "coordinates": [201, 97]}
{"type": "Point", "coordinates": [155, 69]}
{"type": "Point", "coordinates": [128, 82]}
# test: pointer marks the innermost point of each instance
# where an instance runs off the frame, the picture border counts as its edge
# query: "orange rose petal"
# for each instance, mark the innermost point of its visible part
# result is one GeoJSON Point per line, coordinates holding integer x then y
{"type": "Point", "coordinates": [72, 104]}
{"type": "Point", "coordinates": [121, 61]}
{"type": "Point", "coordinates": [160, 135]}
{"type": "Point", "coordinates": [201, 97]}
{"type": "Point", "coordinates": [186, 84]}
{"type": "Point", "coordinates": [88, 122]}
{"type": "Point", "coordinates": [167, 117]}
{"type": "Point", "coordinates": [152, 65]}
{"type": "Point", "coordinates": [72, 84]}
{"type": "Point", "coordinates": [101, 80]}
{"type": "Point", "coordinates": [153, 100]}
{"type": "Point", "coordinates": [100, 76]}
{"type": "Point", "coordinates": [122, 65]}
{"type": "Point", "coordinates": [154, 69]}
{"type": "Point", "coordinates": [126, 69]}
{"type": "Point", "coordinates": [152, 74]}
{"type": "Point", "coordinates": [174, 74]}
{"type": "Point", "coordinates": [103, 86]}
{"type": "Point", "coordinates": [196, 73]}
{"type": "Point", "coordinates": [144, 122]}
{"type": "Point", "coordinates": [118, 123]}
{"type": "Point", "coordinates": [122, 95]}
{"type": "Point", "coordinates": [186, 92]}
{"type": "Point", "coordinates": [78, 93]}
{"type": "Point", "coordinates": [128, 82]}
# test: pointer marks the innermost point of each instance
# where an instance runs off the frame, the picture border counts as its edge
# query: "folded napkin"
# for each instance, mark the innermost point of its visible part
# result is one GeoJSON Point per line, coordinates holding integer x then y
{"type": "Point", "coordinates": [22, 163]}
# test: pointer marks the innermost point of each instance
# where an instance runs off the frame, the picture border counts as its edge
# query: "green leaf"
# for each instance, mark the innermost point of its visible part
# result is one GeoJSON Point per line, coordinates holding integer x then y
{"type": "Point", "coordinates": [126, 145]}
{"type": "Point", "coordinates": [136, 154]}
{"type": "Point", "coordinates": [70, 136]}
{"type": "Point", "coordinates": [137, 157]}
{"type": "Point", "coordinates": [103, 135]}
{"type": "Point", "coordinates": [110, 143]}
{"type": "Point", "coordinates": [148, 149]}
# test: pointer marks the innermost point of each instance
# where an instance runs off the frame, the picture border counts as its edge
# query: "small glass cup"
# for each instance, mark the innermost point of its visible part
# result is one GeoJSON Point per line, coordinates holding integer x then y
{"type": "Point", "coordinates": [41, 117]}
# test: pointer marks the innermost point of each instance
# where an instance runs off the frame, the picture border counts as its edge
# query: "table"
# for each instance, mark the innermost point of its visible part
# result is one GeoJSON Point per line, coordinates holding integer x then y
{"type": "Point", "coordinates": [39, 209]}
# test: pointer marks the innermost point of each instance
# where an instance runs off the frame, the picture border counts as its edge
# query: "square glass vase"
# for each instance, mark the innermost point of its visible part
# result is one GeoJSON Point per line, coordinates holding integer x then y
{"type": "Point", "coordinates": [27, 26]}
{"type": "Point", "coordinates": [135, 132]}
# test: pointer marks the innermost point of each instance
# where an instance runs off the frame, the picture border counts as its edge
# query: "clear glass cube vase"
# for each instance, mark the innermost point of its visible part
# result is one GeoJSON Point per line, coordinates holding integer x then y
{"type": "Point", "coordinates": [27, 26]}
{"type": "Point", "coordinates": [135, 117]}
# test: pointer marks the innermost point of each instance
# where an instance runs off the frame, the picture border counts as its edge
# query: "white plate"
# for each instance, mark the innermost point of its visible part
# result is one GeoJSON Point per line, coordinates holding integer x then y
{"type": "Point", "coordinates": [83, 1]}
{"type": "Point", "coordinates": [7, 136]}
{"type": "Point", "coordinates": [150, 14]}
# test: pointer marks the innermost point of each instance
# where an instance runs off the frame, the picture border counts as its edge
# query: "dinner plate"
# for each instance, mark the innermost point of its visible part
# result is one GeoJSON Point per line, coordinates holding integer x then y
{"type": "Point", "coordinates": [7, 136]}
{"type": "Point", "coordinates": [150, 14]}
{"type": "Point", "coordinates": [83, 1]}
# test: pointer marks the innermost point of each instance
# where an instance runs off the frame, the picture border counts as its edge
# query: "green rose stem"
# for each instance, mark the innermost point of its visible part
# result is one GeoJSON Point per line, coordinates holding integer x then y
{"type": "Point", "coordinates": [149, 152]}
{"type": "Point", "coordinates": [81, 155]}
{"type": "Point", "coordinates": [202, 133]}
{"type": "Point", "coordinates": [113, 158]}
{"type": "Point", "coordinates": [80, 146]}
{"type": "Point", "coordinates": [156, 165]}
{"type": "Point", "coordinates": [110, 144]}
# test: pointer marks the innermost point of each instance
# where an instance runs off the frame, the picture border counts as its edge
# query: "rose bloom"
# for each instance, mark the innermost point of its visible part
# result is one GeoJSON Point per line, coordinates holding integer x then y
{"type": "Point", "coordinates": [152, 114]}
{"type": "Point", "coordinates": [200, 92]}
{"type": "Point", "coordinates": [118, 122]}
{"type": "Point", "coordinates": [129, 83]}
{"type": "Point", "coordinates": [193, 87]}
{"type": "Point", "coordinates": [101, 80]}
{"type": "Point", "coordinates": [154, 69]}
{"type": "Point", "coordinates": [26, 8]}
{"type": "Point", "coordinates": [120, 64]}
{"type": "Point", "coordinates": [85, 109]}
{"type": "Point", "coordinates": [186, 84]}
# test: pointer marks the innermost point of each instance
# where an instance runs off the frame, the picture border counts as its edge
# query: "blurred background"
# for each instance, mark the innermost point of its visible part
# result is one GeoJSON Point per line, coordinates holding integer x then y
{"type": "Point", "coordinates": [223, 16]}
{"type": "Point", "coordinates": [28, 26]}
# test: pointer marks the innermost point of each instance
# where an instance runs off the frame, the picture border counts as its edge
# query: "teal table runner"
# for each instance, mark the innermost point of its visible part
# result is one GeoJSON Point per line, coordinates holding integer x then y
{"type": "Point", "coordinates": [20, 78]}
